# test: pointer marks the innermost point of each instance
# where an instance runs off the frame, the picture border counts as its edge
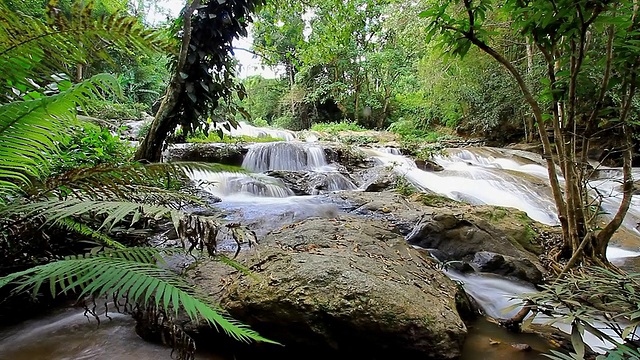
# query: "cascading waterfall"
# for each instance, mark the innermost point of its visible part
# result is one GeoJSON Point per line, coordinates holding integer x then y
{"type": "Point", "coordinates": [252, 131]}
{"type": "Point", "coordinates": [607, 185]}
{"type": "Point", "coordinates": [284, 156]}
{"type": "Point", "coordinates": [225, 184]}
{"type": "Point", "coordinates": [295, 156]}
{"type": "Point", "coordinates": [480, 178]}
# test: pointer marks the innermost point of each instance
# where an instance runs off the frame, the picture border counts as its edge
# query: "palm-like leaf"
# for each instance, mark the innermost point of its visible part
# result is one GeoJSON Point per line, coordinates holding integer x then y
{"type": "Point", "coordinates": [131, 271]}
{"type": "Point", "coordinates": [34, 51]}
{"type": "Point", "coordinates": [123, 181]}
{"type": "Point", "coordinates": [114, 212]}
{"type": "Point", "coordinates": [29, 130]}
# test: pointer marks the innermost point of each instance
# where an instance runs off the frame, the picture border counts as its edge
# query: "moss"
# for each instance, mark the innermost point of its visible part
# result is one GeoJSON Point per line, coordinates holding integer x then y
{"type": "Point", "coordinates": [436, 200]}
{"type": "Point", "coordinates": [497, 213]}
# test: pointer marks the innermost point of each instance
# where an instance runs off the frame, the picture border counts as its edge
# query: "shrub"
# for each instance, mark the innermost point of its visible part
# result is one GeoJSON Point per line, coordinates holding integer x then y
{"type": "Point", "coordinates": [213, 137]}
{"type": "Point", "coordinates": [90, 145]}
{"type": "Point", "coordinates": [284, 122]}
{"type": "Point", "coordinates": [260, 122]}
{"type": "Point", "coordinates": [334, 127]}
{"type": "Point", "coordinates": [103, 109]}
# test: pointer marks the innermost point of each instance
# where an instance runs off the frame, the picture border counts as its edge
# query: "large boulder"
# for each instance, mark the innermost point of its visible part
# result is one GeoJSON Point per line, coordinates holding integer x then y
{"type": "Point", "coordinates": [458, 231]}
{"type": "Point", "coordinates": [470, 236]}
{"type": "Point", "coordinates": [379, 178]}
{"type": "Point", "coordinates": [343, 286]}
{"type": "Point", "coordinates": [221, 153]}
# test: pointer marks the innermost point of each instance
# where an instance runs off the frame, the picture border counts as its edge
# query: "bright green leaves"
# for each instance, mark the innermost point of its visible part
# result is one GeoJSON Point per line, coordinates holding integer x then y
{"type": "Point", "coordinates": [34, 54]}
{"type": "Point", "coordinates": [30, 130]}
{"type": "Point", "coordinates": [131, 272]}
{"type": "Point", "coordinates": [453, 24]}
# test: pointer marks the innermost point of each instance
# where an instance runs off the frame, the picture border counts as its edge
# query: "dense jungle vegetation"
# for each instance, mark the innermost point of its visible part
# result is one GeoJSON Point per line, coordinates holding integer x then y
{"type": "Point", "coordinates": [77, 201]}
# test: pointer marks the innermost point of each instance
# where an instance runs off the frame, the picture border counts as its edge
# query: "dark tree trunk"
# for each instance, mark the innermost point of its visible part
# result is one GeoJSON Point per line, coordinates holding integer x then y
{"type": "Point", "coordinates": [151, 147]}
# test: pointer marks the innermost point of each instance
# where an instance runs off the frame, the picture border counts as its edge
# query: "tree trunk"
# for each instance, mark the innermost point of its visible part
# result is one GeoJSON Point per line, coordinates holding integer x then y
{"type": "Point", "coordinates": [529, 120]}
{"type": "Point", "coordinates": [151, 147]}
{"type": "Point", "coordinates": [385, 108]}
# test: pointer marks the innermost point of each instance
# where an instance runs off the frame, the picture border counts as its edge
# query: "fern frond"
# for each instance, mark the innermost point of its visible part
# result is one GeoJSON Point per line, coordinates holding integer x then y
{"type": "Point", "coordinates": [114, 212]}
{"type": "Point", "coordinates": [77, 227]}
{"type": "Point", "coordinates": [125, 181]}
{"type": "Point", "coordinates": [33, 49]}
{"type": "Point", "coordinates": [121, 272]}
{"type": "Point", "coordinates": [29, 130]}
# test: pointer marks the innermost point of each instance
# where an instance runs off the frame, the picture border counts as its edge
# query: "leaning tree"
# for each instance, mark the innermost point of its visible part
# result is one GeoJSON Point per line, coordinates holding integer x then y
{"type": "Point", "coordinates": [591, 52]}
{"type": "Point", "coordinates": [203, 69]}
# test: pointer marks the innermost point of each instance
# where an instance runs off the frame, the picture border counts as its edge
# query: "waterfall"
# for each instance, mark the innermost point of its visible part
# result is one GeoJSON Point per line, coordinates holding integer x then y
{"type": "Point", "coordinates": [335, 181]}
{"type": "Point", "coordinates": [253, 131]}
{"type": "Point", "coordinates": [290, 156]}
{"type": "Point", "coordinates": [480, 177]}
{"type": "Point", "coordinates": [225, 184]}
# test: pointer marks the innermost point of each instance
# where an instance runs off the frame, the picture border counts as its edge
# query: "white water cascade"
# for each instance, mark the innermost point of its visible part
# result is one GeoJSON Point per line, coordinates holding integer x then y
{"type": "Point", "coordinates": [227, 184]}
{"type": "Point", "coordinates": [296, 156]}
{"type": "Point", "coordinates": [287, 156]}
{"type": "Point", "coordinates": [252, 131]}
{"type": "Point", "coordinates": [482, 176]}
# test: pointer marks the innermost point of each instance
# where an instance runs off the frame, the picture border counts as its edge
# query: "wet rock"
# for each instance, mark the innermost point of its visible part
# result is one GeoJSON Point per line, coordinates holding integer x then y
{"type": "Point", "coordinates": [227, 154]}
{"type": "Point", "coordinates": [522, 347]}
{"type": "Point", "coordinates": [347, 286]}
{"type": "Point", "coordinates": [529, 147]}
{"type": "Point", "coordinates": [349, 156]}
{"type": "Point", "coordinates": [133, 129]}
{"type": "Point", "coordinates": [380, 179]}
{"type": "Point", "coordinates": [465, 237]}
{"type": "Point", "coordinates": [313, 182]}
{"type": "Point", "coordinates": [460, 266]}
{"type": "Point", "coordinates": [508, 266]}
{"type": "Point", "coordinates": [428, 165]}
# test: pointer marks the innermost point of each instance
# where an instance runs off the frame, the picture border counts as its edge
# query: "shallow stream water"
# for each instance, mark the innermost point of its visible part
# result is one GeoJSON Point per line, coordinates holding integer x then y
{"type": "Point", "coordinates": [478, 176]}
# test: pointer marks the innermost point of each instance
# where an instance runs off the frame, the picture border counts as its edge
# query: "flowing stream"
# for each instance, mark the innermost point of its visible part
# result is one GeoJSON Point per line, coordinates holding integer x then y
{"type": "Point", "coordinates": [478, 176]}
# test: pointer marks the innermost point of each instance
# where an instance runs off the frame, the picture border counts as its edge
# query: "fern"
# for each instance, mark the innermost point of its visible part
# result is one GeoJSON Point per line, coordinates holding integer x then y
{"type": "Point", "coordinates": [124, 181]}
{"type": "Point", "coordinates": [33, 55]}
{"type": "Point", "coordinates": [132, 272]}
{"type": "Point", "coordinates": [33, 52]}
{"type": "Point", "coordinates": [54, 210]}
{"type": "Point", "coordinates": [85, 230]}
{"type": "Point", "coordinates": [29, 130]}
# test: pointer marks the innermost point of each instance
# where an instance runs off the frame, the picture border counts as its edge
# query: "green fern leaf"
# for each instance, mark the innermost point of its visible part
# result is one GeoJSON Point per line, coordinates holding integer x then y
{"type": "Point", "coordinates": [29, 130]}
{"type": "Point", "coordinates": [113, 273]}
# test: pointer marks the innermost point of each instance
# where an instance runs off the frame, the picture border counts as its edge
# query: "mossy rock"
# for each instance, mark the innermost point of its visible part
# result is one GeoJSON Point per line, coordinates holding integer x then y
{"type": "Point", "coordinates": [435, 200]}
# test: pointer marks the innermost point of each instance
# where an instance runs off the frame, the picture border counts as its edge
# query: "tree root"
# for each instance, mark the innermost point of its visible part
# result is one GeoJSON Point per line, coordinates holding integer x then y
{"type": "Point", "coordinates": [513, 324]}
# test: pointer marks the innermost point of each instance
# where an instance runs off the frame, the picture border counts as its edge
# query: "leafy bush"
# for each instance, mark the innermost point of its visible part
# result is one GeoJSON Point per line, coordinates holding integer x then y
{"type": "Point", "coordinates": [358, 139]}
{"type": "Point", "coordinates": [213, 137]}
{"type": "Point", "coordinates": [284, 122]}
{"type": "Point", "coordinates": [334, 127]}
{"type": "Point", "coordinates": [104, 109]}
{"type": "Point", "coordinates": [405, 187]}
{"type": "Point", "coordinates": [413, 139]}
{"type": "Point", "coordinates": [260, 122]}
{"type": "Point", "coordinates": [90, 145]}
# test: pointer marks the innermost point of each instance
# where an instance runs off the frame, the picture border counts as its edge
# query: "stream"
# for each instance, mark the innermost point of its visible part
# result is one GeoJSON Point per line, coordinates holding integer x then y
{"type": "Point", "coordinates": [491, 176]}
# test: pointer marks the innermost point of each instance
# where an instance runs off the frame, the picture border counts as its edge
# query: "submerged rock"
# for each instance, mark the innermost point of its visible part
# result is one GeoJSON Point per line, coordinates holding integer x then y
{"type": "Point", "coordinates": [466, 236]}
{"type": "Point", "coordinates": [313, 182]}
{"type": "Point", "coordinates": [428, 165]}
{"type": "Point", "coordinates": [508, 266]}
{"type": "Point", "coordinates": [343, 286]}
